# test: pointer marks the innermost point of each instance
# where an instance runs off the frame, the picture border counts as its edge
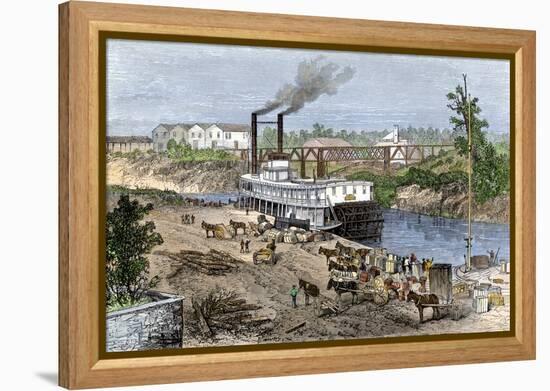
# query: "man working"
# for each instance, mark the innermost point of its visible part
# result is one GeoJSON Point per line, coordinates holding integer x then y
{"type": "Point", "coordinates": [293, 294]}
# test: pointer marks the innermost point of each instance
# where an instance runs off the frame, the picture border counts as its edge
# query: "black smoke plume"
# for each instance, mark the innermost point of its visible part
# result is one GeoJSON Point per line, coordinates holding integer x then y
{"type": "Point", "coordinates": [314, 78]}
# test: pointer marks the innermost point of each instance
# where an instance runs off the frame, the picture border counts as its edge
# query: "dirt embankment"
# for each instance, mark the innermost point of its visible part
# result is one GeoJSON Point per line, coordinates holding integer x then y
{"type": "Point", "coordinates": [451, 201]}
{"type": "Point", "coordinates": [160, 172]}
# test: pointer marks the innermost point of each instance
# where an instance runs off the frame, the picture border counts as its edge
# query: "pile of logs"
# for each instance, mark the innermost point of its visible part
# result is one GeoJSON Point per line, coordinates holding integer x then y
{"type": "Point", "coordinates": [223, 310]}
{"type": "Point", "coordinates": [213, 262]}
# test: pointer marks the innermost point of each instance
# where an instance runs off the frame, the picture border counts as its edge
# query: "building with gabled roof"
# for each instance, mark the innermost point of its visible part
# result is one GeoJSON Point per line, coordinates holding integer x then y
{"type": "Point", "coordinates": [200, 135]}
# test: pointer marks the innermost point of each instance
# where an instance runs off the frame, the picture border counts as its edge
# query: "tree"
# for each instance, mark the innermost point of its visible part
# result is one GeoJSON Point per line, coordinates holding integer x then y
{"type": "Point", "coordinates": [491, 171]}
{"type": "Point", "coordinates": [128, 240]}
{"type": "Point", "coordinates": [171, 145]}
{"type": "Point", "coordinates": [459, 104]}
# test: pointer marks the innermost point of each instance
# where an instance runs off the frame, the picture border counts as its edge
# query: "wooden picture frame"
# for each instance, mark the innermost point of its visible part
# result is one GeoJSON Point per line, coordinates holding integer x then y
{"type": "Point", "coordinates": [81, 364]}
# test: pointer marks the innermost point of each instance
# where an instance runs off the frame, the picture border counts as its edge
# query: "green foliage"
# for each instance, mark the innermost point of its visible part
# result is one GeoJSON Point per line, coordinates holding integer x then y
{"type": "Point", "coordinates": [385, 186]}
{"type": "Point", "coordinates": [184, 153]}
{"type": "Point", "coordinates": [115, 306]}
{"type": "Point", "coordinates": [133, 155]}
{"type": "Point", "coordinates": [164, 197]}
{"type": "Point", "coordinates": [490, 170]}
{"type": "Point", "coordinates": [294, 139]}
{"type": "Point", "coordinates": [128, 240]}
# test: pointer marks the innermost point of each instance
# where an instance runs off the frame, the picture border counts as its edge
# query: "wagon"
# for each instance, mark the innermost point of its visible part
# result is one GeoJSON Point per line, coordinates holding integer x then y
{"type": "Point", "coordinates": [264, 255]}
{"type": "Point", "coordinates": [441, 285]}
{"type": "Point", "coordinates": [220, 232]}
{"type": "Point", "coordinates": [374, 290]}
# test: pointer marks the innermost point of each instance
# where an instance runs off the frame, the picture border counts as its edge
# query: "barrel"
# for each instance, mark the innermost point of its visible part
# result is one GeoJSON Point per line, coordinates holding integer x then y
{"type": "Point", "coordinates": [390, 266]}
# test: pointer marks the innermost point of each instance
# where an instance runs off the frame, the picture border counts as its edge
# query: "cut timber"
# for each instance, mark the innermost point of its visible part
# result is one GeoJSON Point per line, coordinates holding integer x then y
{"type": "Point", "coordinates": [296, 327]}
{"type": "Point", "coordinates": [203, 324]}
{"type": "Point", "coordinates": [212, 262]}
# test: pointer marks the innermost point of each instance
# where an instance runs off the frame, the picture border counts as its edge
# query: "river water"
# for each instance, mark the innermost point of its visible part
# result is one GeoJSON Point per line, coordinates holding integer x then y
{"type": "Point", "coordinates": [440, 238]}
{"type": "Point", "coordinates": [426, 236]}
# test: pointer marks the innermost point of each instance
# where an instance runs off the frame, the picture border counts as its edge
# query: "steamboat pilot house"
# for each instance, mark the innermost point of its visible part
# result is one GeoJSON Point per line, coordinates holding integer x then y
{"type": "Point", "coordinates": [277, 191]}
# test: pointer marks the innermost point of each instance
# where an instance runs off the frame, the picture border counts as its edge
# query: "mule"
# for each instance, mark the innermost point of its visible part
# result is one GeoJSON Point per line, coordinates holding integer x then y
{"type": "Point", "coordinates": [309, 289]}
{"type": "Point", "coordinates": [236, 225]}
{"type": "Point", "coordinates": [346, 250]}
{"type": "Point", "coordinates": [209, 227]}
{"type": "Point", "coordinates": [329, 252]}
{"type": "Point", "coordinates": [344, 287]}
{"type": "Point", "coordinates": [421, 301]}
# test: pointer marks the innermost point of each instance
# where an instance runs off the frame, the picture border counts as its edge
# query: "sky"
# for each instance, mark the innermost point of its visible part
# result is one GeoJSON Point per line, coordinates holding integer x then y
{"type": "Point", "coordinates": [151, 82]}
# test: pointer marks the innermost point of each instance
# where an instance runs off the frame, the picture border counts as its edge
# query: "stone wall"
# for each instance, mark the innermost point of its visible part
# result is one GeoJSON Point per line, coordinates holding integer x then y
{"type": "Point", "coordinates": [154, 325]}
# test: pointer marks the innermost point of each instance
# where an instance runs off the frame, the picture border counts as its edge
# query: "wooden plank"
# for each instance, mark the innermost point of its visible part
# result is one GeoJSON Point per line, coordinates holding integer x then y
{"type": "Point", "coordinates": [295, 327]}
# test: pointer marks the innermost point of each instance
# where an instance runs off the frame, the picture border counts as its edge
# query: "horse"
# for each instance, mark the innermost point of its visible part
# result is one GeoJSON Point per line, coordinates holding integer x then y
{"type": "Point", "coordinates": [329, 252]}
{"type": "Point", "coordinates": [209, 227]}
{"type": "Point", "coordinates": [238, 224]}
{"type": "Point", "coordinates": [344, 287]}
{"type": "Point", "coordinates": [342, 264]}
{"type": "Point", "coordinates": [346, 250]}
{"type": "Point", "coordinates": [421, 300]}
{"type": "Point", "coordinates": [309, 289]}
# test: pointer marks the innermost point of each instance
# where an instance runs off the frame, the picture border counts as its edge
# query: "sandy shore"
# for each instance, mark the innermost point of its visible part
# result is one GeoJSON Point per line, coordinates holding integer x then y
{"type": "Point", "coordinates": [268, 286]}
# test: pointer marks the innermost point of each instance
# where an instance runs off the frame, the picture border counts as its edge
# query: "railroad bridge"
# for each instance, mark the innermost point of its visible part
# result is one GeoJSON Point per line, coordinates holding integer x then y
{"type": "Point", "coordinates": [406, 154]}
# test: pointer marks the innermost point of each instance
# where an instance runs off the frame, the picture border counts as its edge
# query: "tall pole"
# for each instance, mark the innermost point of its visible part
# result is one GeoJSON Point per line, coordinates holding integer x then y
{"type": "Point", "coordinates": [469, 256]}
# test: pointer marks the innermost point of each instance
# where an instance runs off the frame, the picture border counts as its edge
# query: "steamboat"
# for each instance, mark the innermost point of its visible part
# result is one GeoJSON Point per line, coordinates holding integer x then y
{"type": "Point", "coordinates": [338, 205]}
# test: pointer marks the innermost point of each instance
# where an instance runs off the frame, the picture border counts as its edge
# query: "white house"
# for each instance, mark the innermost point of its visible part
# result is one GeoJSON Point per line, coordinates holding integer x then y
{"type": "Point", "coordinates": [393, 139]}
{"type": "Point", "coordinates": [202, 135]}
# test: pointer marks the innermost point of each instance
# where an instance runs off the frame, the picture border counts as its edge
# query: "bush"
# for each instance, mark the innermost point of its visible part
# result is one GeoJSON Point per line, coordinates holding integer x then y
{"type": "Point", "coordinates": [385, 186]}
{"type": "Point", "coordinates": [128, 239]}
{"type": "Point", "coordinates": [184, 153]}
{"type": "Point", "coordinates": [168, 197]}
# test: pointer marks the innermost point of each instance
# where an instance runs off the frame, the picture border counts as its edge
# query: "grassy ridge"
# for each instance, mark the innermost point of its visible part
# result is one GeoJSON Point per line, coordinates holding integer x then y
{"type": "Point", "coordinates": [433, 173]}
{"type": "Point", "coordinates": [164, 197]}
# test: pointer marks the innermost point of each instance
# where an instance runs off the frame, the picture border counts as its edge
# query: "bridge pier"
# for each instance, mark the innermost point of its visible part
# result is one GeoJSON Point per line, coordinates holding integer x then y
{"type": "Point", "coordinates": [387, 151]}
{"type": "Point", "coordinates": [302, 164]}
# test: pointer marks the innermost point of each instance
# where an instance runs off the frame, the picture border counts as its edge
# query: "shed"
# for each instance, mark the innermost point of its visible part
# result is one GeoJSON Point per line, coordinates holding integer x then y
{"type": "Point", "coordinates": [441, 281]}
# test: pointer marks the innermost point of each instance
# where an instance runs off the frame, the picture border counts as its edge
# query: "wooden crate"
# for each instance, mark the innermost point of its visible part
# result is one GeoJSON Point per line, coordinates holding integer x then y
{"type": "Point", "coordinates": [495, 299]}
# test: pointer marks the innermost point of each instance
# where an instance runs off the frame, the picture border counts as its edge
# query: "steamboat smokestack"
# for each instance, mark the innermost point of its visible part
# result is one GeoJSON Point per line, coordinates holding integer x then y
{"type": "Point", "coordinates": [253, 144]}
{"type": "Point", "coordinates": [280, 133]}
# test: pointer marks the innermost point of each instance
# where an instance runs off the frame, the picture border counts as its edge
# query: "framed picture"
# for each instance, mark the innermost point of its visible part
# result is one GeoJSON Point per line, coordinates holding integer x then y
{"type": "Point", "coordinates": [246, 195]}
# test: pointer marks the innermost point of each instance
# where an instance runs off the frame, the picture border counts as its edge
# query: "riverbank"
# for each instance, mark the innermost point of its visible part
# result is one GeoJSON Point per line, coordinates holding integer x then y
{"type": "Point", "coordinates": [267, 287]}
{"type": "Point", "coordinates": [451, 201]}
{"type": "Point", "coordinates": [154, 171]}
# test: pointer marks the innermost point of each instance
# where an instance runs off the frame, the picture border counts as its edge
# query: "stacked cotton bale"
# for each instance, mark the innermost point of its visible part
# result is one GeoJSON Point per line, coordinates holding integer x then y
{"type": "Point", "coordinates": [275, 234]}
{"type": "Point", "coordinates": [264, 226]}
{"type": "Point", "coordinates": [290, 237]}
{"type": "Point", "coordinates": [302, 237]}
